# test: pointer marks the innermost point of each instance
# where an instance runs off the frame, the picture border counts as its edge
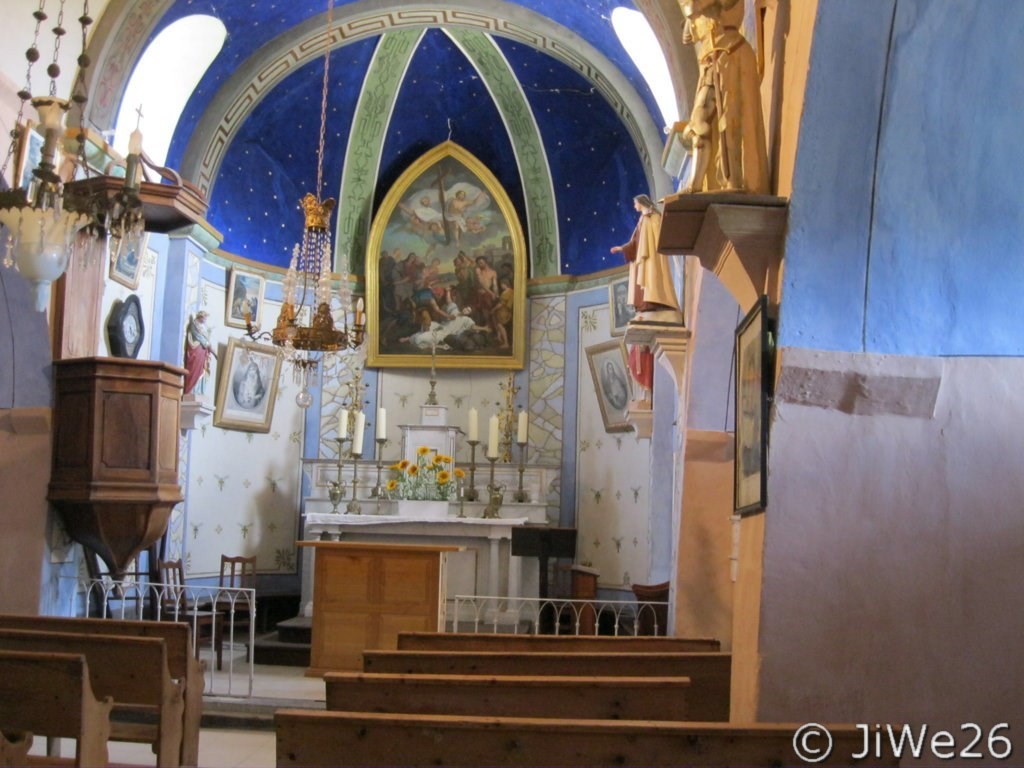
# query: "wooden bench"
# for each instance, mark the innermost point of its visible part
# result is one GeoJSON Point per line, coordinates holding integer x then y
{"type": "Point", "coordinates": [181, 664]}
{"type": "Point", "coordinates": [14, 750]}
{"type": "Point", "coordinates": [317, 738]}
{"type": "Point", "coordinates": [49, 694]}
{"type": "Point", "coordinates": [597, 698]}
{"type": "Point", "coordinates": [471, 641]}
{"type": "Point", "coordinates": [709, 673]}
{"type": "Point", "coordinates": [130, 670]}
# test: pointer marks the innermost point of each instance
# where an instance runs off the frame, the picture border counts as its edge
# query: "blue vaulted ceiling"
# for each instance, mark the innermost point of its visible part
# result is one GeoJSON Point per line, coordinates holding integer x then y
{"type": "Point", "coordinates": [594, 163]}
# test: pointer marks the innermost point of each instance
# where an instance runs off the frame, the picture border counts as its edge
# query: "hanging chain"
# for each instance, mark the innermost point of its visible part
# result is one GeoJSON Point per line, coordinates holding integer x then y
{"type": "Point", "coordinates": [58, 34]}
{"type": "Point", "coordinates": [32, 56]}
{"type": "Point", "coordinates": [323, 103]}
{"type": "Point", "coordinates": [79, 92]}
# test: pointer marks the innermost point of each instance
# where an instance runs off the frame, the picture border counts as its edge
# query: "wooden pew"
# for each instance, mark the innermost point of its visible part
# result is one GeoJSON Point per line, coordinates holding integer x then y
{"type": "Point", "coordinates": [709, 673]}
{"type": "Point", "coordinates": [471, 641]}
{"type": "Point", "coordinates": [49, 694]}
{"type": "Point", "coordinates": [14, 750]}
{"type": "Point", "coordinates": [130, 670]}
{"type": "Point", "coordinates": [181, 663]}
{"type": "Point", "coordinates": [317, 738]}
{"type": "Point", "coordinates": [598, 698]}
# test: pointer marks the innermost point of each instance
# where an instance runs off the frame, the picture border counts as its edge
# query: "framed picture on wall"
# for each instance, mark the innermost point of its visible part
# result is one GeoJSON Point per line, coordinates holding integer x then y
{"type": "Point", "coordinates": [754, 352]}
{"type": "Point", "coordinates": [127, 267]}
{"type": "Point", "coordinates": [244, 297]}
{"type": "Point", "coordinates": [248, 386]}
{"type": "Point", "coordinates": [611, 383]}
{"type": "Point", "coordinates": [446, 269]}
{"type": "Point", "coordinates": [619, 312]}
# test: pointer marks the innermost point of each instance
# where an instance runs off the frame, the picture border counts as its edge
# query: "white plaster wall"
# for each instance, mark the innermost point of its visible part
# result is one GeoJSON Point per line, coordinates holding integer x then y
{"type": "Point", "coordinates": [894, 547]}
{"type": "Point", "coordinates": [613, 479]}
{"type": "Point", "coordinates": [243, 488]}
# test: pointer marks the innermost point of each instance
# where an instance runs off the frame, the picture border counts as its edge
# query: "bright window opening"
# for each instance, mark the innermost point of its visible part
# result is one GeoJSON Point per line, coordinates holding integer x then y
{"type": "Point", "coordinates": [163, 80]}
{"type": "Point", "coordinates": [640, 43]}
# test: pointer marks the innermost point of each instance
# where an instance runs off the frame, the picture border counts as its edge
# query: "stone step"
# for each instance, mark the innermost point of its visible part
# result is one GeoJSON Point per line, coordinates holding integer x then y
{"type": "Point", "coordinates": [270, 649]}
{"type": "Point", "coordinates": [296, 630]}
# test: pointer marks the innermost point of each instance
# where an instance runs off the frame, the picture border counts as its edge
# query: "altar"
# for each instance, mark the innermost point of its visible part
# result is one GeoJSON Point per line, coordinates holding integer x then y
{"type": "Point", "coordinates": [483, 566]}
{"type": "Point", "coordinates": [362, 512]}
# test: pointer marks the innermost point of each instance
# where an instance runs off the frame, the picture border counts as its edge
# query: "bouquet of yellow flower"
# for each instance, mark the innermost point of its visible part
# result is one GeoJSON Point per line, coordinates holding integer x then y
{"type": "Point", "coordinates": [431, 478]}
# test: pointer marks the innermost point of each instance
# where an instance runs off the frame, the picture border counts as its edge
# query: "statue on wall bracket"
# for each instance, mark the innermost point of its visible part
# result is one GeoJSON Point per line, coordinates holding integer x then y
{"type": "Point", "coordinates": [725, 134]}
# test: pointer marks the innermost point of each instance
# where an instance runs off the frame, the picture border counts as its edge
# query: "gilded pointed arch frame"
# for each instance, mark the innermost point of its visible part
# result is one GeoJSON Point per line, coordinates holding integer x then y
{"type": "Point", "coordinates": [397, 289]}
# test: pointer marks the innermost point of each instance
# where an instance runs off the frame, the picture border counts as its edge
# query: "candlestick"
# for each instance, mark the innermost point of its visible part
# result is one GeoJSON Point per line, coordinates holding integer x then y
{"type": "Point", "coordinates": [474, 426]}
{"type": "Point", "coordinates": [380, 491]}
{"type": "Point", "coordinates": [520, 495]}
{"type": "Point", "coordinates": [353, 507]}
{"type": "Point", "coordinates": [432, 395]}
{"type": "Point", "coordinates": [471, 494]}
{"type": "Point", "coordinates": [492, 438]}
{"type": "Point", "coordinates": [357, 435]}
{"type": "Point", "coordinates": [382, 424]}
{"type": "Point", "coordinates": [336, 489]}
{"type": "Point", "coordinates": [495, 493]}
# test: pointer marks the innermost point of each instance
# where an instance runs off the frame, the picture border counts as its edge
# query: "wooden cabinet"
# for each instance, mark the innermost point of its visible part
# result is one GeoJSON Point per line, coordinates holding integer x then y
{"type": "Point", "coordinates": [365, 594]}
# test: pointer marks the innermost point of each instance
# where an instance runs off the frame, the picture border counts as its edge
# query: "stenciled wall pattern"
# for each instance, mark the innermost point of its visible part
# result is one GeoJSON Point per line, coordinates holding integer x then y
{"type": "Point", "coordinates": [612, 477]}
{"type": "Point", "coordinates": [243, 487]}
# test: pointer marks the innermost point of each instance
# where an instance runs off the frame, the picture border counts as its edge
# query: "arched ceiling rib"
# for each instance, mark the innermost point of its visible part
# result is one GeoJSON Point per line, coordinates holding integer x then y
{"type": "Point", "coordinates": [366, 142]}
{"type": "Point", "coordinates": [253, 81]}
{"type": "Point", "coordinates": [542, 219]}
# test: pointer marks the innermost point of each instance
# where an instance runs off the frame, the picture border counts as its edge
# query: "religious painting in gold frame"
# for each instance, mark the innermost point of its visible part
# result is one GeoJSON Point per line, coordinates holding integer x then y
{"type": "Point", "coordinates": [446, 269]}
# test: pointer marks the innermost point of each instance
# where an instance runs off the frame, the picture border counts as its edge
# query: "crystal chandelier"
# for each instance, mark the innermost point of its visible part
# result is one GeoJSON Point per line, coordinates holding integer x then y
{"type": "Point", "coordinates": [40, 228]}
{"type": "Point", "coordinates": [305, 327]}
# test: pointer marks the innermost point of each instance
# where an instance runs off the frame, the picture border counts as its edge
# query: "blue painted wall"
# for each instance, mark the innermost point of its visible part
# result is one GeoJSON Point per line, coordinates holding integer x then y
{"type": "Point", "coordinates": [906, 222]}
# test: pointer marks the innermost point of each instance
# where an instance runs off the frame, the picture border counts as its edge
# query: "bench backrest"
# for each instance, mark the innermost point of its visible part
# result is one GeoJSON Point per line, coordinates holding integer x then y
{"type": "Point", "coordinates": [176, 635]}
{"type": "Point", "coordinates": [471, 641]}
{"type": "Point", "coordinates": [49, 694]}
{"type": "Point", "coordinates": [316, 738]}
{"type": "Point", "coordinates": [597, 698]}
{"type": "Point", "coordinates": [131, 670]}
{"type": "Point", "coordinates": [182, 665]}
{"type": "Point", "coordinates": [709, 673]}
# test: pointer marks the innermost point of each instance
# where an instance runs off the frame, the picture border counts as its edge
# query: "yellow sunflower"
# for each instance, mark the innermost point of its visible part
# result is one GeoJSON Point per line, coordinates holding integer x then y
{"type": "Point", "coordinates": [413, 470]}
{"type": "Point", "coordinates": [403, 465]}
{"type": "Point", "coordinates": [443, 477]}
{"type": "Point", "coordinates": [422, 450]}
{"type": "Point", "coordinates": [459, 473]}
{"type": "Point", "coordinates": [392, 484]}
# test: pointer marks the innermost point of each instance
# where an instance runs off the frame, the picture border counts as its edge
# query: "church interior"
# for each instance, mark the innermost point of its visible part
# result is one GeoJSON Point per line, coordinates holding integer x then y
{"type": "Point", "coordinates": [806, 441]}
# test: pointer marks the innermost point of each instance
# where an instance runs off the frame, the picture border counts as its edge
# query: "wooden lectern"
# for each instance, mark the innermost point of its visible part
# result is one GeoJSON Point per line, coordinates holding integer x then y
{"type": "Point", "coordinates": [365, 594]}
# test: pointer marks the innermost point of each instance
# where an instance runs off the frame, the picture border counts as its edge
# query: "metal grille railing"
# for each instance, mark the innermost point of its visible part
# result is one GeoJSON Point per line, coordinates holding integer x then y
{"type": "Point", "coordinates": [138, 600]}
{"type": "Point", "coordinates": [557, 616]}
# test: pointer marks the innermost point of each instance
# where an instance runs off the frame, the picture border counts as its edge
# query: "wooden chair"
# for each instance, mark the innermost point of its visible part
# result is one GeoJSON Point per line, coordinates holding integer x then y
{"type": "Point", "coordinates": [238, 572]}
{"type": "Point", "coordinates": [176, 605]}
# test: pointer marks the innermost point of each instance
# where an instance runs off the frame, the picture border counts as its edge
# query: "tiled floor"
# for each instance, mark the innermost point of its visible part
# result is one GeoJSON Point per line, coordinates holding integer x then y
{"type": "Point", "coordinates": [222, 748]}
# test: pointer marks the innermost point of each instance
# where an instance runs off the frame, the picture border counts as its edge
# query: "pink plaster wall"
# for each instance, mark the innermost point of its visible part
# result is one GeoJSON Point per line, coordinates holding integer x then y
{"type": "Point", "coordinates": [24, 475]}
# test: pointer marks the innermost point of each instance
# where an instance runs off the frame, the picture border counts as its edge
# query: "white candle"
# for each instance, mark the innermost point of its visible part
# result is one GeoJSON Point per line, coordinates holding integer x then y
{"type": "Point", "coordinates": [474, 425]}
{"type": "Point", "coordinates": [492, 438]}
{"type": "Point", "coordinates": [382, 423]}
{"type": "Point", "coordinates": [342, 424]}
{"type": "Point", "coordinates": [135, 142]}
{"type": "Point", "coordinates": [523, 427]}
{"type": "Point", "coordinates": [357, 435]}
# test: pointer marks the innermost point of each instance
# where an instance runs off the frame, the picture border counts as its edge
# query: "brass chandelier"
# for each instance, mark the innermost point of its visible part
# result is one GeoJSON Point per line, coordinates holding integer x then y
{"type": "Point", "coordinates": [306, 327]}
{"type": "Point", "coordinates": [44, 216]}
